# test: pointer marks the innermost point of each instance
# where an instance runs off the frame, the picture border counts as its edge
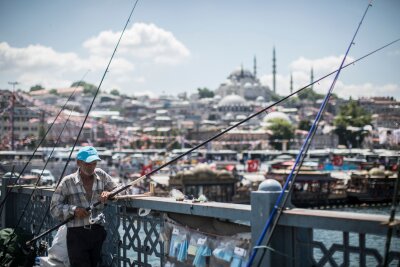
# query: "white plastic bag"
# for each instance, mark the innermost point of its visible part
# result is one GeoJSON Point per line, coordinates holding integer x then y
{"type": "Point", "coordinates": [58, 251]}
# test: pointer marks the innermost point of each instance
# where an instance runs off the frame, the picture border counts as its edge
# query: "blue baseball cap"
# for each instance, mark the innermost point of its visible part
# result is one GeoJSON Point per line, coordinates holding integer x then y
{"type": "Point", "coordinates": [87, 154]}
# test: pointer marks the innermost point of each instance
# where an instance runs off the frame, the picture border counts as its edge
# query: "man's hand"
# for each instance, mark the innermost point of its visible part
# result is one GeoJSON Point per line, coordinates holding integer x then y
{"type": "Point", "coordinates": [81, 213]}
{"type": "Point", "coordinates": [104, 196]}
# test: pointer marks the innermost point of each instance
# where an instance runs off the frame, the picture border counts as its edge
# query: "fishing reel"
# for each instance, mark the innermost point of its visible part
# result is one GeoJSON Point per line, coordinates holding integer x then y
{"type": "Point", "coordinates": [99, 219]}
{"type": "Point", "coordinates": [42, 249]}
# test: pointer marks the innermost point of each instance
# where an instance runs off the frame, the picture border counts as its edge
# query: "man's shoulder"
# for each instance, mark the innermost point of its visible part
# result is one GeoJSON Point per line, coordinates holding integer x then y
{"type": "Point", "coordinates": [101, 173]}
{"type": "Point", "coordinates": [69, 178]}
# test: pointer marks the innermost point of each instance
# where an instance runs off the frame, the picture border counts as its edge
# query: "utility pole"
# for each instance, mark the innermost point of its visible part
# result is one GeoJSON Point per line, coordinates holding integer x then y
{"type": "Point", "coordinates": [12, 113]}
{"type": "Point", "coordinates": [273, 71]}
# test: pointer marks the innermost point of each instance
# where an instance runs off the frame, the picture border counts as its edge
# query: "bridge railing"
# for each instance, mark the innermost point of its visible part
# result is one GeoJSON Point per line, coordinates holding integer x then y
{"type": "Point", "coordinates": [303, 237]}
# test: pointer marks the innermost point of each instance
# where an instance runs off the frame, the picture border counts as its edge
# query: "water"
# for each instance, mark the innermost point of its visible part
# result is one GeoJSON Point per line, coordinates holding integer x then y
{"type": "Point", "coordinates": [372, 241]}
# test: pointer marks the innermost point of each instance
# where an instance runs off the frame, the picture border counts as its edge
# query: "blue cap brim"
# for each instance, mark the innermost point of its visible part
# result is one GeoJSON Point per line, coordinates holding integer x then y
{"type": "Point", "coordinates": [92, 158]}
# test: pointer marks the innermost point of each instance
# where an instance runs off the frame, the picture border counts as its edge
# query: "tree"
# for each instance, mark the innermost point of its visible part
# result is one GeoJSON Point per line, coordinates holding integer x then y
{"type": "Point", "coordinates": [114, 92]}
{"type": "Point", "coordinates": [53, 91]}
{"type": "Point", "coordinates": [282, 131]}
{"type": "Point", "coordinates": [351, 114]}
{"type": "Point", "coordinates": [205, 92]}
{"type": "Point", "coordinates": [304, 125]}
{"type": "Point", "coordinates": [309, 94]}
{"type": "Point", "coordinates": [36, 87]}
{"type": "Point", "coordinates": [87, 87]}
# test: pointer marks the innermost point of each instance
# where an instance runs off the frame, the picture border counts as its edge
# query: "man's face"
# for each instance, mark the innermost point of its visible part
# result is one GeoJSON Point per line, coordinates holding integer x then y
{"type": "Point", "coordinates": [87, 168]}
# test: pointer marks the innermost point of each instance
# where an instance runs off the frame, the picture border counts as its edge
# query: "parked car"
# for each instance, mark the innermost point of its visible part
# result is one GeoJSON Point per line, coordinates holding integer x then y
{"type": "Point", "coordinates": [14, 175]}
{"type": "Point", "coordinates": [11, 175]}
{"type": "Point", "coordinates": [46, 179]}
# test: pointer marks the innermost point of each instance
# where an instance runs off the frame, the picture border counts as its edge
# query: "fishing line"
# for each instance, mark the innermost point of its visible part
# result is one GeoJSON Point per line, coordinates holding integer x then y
{"type": "Point", "coordinates": [391, 222]}
{"type": "Point", "coordinates": [37, 147]}
{"type": "Point", "coordinates": [87, 115]}
{"type": "Point", "coordinates": [212, 138]}
{"type": "Point", "coordinates": [243, 121]}
{"type": "Point", "coordinates": [38, 180]}
{"type": "Point", "coordinates": [95, 95]}
{"type": "Point", "coordinates": [299, 159]}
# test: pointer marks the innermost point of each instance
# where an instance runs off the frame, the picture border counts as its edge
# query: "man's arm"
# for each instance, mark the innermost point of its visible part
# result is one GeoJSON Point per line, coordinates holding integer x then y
{"type": "Point", "coordinates": [109, 185]}
{"type": "Point", "coordinates": [58, 208]}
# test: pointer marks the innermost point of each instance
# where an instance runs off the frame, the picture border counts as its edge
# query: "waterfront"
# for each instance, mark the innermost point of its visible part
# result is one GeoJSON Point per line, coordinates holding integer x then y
{"type": "Point", "coordinates": [375, 241]}
{"type": "Point", "coordinates": [139, 239]}
{"type": "Point", "coordinates": [326, 237]}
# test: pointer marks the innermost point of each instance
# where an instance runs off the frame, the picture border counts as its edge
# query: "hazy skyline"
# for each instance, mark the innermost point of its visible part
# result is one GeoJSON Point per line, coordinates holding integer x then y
{"type": "Point", "coordinates": [177, 46]}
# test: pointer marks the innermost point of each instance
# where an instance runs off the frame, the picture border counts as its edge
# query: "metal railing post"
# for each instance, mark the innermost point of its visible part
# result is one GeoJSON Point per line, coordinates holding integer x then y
{"type": "Point", "coordinates": [262, 203]}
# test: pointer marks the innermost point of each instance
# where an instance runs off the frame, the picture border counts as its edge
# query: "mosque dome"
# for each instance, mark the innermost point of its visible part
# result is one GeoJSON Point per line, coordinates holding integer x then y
{"type": "Point", "coordinates": [232, 100]}
{"type": "Point", "coordinates": [240, 74]}
{"type": "Point", "coordinates": [276, 115]}
{"type": "Point", "coordinates": [260, 99]}
{"type": "Point", "coordinates": [247, 85]}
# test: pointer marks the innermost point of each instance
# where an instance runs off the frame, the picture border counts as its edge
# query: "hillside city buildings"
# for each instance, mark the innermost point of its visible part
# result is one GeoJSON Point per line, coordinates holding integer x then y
{"type": "Point", "coordinates": [180, 121]}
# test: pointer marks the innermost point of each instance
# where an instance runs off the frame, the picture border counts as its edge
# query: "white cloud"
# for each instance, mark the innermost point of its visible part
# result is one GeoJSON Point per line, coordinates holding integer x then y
{"type": "Point", "coordinates": [37, 64]}
{"type": "Point", "coordinates": [36, 58]}
{"type": "Point", "coordinates": [48, 81]}
{"type": "Point", "coordinates": [142, 44]}
{"type": "Point", "coordinates": [367, 90]}
{"type": "Point", "coordinates": [321, 65]}
{"type": "Point", "coordinates": [141, 41]}
{"type": "Point", "coordinates": [302, 76]}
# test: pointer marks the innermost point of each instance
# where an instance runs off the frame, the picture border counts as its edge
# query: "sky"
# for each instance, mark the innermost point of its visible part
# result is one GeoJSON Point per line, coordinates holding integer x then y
{"type": "Point", "coordinates": [177, 46]}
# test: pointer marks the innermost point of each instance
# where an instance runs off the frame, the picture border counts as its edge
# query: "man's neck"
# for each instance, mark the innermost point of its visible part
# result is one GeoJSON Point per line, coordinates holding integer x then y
{"type": "Point", "coordinates": [85, 177]}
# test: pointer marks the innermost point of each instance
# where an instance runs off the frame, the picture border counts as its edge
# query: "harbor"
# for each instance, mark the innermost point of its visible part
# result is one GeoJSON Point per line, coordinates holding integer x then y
{"type": "Point", "coordinates": [230, 176]}
{"type": "Point", "coordinates": [205, 134]}
{"type": "Point", "coordinates": [308, 237]}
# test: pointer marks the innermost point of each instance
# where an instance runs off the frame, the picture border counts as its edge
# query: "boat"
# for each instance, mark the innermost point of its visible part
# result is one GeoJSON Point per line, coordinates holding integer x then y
{"type": "Point", "coordinates": [313, 188]}
{"type": "Point", "coordinates": [373, 186]}
{"type": "Point", "coordinates": [216, 185]}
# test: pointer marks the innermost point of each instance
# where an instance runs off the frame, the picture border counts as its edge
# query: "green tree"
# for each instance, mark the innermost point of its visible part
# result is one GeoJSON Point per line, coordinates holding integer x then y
{"type": "Point", "coordinates": [282, 131]}
{"type": "Point", "coordinates": [351, 114]}
{"type": "Point", "coordinates": [309, 94]}
{"type": "Point", "coordinates": [87, 87]}
{"type": "Point", "coordinates": [36, 87]}
{"type": "Point", "coordinates": [205, 92]}
{"type": "Point", "coordinates": [53, 92]}
{"type": "Point", "coordinates": [304, 125]}
{"type": "Point", "coordinates": [114, 92]}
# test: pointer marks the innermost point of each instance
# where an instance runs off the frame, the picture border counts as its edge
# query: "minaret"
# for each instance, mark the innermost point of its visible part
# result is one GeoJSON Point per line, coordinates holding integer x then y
{"type": "Point", "coordinates": [255, 67]}
{"type": "Point", "coordinates": [312, 78]}
{"type": "Point", "coordinates": [273, 71]}
{"type": "Point", "coordinates": [291, 83]}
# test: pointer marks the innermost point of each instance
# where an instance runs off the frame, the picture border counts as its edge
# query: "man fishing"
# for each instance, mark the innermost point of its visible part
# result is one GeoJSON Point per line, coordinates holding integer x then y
{"type": "Point", "coordinates": [77, 192]}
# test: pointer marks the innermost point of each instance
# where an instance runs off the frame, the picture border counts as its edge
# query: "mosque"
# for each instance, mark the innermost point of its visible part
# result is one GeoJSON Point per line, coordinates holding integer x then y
{"type": "Point", "coordinates": [245, 84]}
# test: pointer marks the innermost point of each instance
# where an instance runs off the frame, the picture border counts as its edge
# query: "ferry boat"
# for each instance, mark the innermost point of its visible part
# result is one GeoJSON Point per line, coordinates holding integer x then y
{"type": "Point", "coordinates": [373, 186]}
{"type": "Point", "coordinates": [216, 185]}
{"type": "Point", "coordinates": [313, 188]}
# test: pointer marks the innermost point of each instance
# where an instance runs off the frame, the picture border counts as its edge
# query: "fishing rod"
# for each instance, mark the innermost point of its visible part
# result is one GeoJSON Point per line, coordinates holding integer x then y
{"type": "Point", "coordinates": [391, 223]}
{"type": "Point", "coordinates": [277, 209]}
{"type": "Point", "coordinates": [86, 117]}
{"type": "Point", "coordinates": [33, 191]}
{"type": "Point", "coordinates": [95, 95]}
{"type": "Point", "coordinates": [38, 181]}
{"type": "Point", "coordinates": [210, 139]}
{"type": "Point", "coordinates": [40, 176]}
{"type": "Point", "coordinates": [37, 147]}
